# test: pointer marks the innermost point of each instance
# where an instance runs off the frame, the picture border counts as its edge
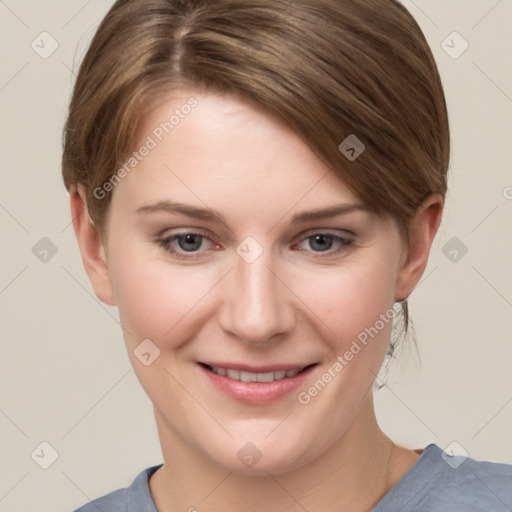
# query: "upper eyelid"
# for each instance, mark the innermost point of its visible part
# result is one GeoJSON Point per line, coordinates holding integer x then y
{"type": "Point", "coordinates": [304, 234]}
{"type": "Point", "coordinates": [328, 231]}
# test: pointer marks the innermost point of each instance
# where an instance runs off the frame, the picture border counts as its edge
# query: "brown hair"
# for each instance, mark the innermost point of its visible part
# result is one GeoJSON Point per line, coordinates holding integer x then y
{"type": "Point", "coordinates": [327, 68]}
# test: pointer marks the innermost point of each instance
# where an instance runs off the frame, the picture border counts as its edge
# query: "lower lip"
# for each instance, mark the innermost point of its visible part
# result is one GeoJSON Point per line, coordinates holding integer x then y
{"type": "Point", "coordinates": [254, 393]}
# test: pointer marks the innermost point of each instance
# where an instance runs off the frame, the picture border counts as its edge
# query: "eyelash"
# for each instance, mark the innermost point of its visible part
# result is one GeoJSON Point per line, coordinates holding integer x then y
{"type": "Point", "coordinates": [166, 244]}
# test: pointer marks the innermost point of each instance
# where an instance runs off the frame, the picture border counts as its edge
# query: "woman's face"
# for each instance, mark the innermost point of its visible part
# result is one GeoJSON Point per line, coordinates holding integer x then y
{"type": "Point", "coordinates": [271, 288]}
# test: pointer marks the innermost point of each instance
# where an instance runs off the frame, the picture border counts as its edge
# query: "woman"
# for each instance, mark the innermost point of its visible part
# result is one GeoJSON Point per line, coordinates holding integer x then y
{"type": "Point", "coordinates": [256, 186]}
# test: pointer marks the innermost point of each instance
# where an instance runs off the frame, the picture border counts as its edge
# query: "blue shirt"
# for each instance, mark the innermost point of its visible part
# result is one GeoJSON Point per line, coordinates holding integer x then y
{"type": "Point", "coordinates": [436, 482]}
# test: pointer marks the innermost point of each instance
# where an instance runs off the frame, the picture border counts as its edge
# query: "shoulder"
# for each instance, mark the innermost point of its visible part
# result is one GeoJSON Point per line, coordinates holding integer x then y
{"type": "Point", "coordinates": [136, 497]}
{"type": "Point", "coordinates": [473, 484]}
{"type": "Point", "coordinates": [439, 480]}
{"type": "Point", "coordinates": [114, 501]}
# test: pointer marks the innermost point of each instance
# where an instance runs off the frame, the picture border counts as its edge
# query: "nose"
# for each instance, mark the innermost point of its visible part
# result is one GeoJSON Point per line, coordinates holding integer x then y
{"type": "Point", "coordinates": [257, 304]}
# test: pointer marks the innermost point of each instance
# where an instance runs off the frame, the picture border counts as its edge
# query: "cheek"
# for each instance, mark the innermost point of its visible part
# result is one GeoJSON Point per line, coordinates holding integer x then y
{"type": "Point", "coordinates": [358, 306]}
{"type": "Point", "coordinates": [155, 298]}
{"type": "Point", "coordinates": [350, 299]}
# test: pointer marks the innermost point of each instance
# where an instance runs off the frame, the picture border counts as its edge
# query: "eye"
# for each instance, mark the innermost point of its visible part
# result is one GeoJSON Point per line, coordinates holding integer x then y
{"type": "Point", "coordinates": [183, 245]}
{"type": "Point", "coordinates": [323, 242]}
{"type": "Point", "coordinates": [188, 245]}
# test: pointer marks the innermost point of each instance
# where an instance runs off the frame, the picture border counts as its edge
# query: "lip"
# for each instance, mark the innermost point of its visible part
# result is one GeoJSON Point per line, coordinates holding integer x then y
{"type": "Point", "coordinates": [255, 393]}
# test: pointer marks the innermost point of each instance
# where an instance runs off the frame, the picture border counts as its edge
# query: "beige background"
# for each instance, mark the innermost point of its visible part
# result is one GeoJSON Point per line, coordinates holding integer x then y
{"type": "Point", "coordinates": [65, 376]}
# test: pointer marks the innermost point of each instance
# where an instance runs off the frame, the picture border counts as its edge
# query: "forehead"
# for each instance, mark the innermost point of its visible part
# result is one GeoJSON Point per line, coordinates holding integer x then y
{"type": "Point", "coordinates": [222, 150]}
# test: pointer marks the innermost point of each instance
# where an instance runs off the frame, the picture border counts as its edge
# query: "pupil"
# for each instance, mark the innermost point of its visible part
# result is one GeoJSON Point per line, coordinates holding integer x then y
{"type": "Point", "coordinates": [322, 238]}
{"type": "Point", "coordinates": [189, 239]}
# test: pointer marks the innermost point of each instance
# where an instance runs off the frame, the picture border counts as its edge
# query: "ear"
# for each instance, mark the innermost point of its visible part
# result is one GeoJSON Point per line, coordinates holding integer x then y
{"type": "Point", "coordinates": [414, 259]}
{"type": "Point", "coordinates": [91, 246]}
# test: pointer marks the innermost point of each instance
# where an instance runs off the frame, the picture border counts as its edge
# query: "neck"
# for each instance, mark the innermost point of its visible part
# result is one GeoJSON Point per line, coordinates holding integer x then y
{"type": "Point", "coordinates": [355, 473]}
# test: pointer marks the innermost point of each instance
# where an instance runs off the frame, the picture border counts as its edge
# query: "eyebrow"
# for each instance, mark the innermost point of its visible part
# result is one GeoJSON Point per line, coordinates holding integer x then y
{"type": "Point", "coordinates": [208, 214]}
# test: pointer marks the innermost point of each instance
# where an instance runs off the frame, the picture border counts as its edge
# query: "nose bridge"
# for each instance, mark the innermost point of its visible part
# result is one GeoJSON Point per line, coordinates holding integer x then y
{"type": "Point", "coordinates": [256, 304]}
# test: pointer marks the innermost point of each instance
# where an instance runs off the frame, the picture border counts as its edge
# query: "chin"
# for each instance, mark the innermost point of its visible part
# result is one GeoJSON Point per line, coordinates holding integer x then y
{"type": "Point", "coordinates": [262, 458]}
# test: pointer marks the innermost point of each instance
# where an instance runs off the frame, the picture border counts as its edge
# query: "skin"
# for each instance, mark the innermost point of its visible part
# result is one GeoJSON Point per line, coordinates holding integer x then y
{"type": "Point", "coordinates": [293, 304]}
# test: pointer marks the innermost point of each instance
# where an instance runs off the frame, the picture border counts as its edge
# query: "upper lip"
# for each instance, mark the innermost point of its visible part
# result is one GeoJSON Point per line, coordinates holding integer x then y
{"type": "Point", "coordinates": [256, 369]}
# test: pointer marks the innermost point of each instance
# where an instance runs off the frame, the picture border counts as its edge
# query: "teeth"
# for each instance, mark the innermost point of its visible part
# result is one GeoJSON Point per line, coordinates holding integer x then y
{"type": "Point", "coordinates": [266, 377]}
{"type": "Point", "coordinates": [248, 377]}
{"type": "Point", "coordinates": [255, 377]}
{"type": "Point", "coordinates": [233, 374]}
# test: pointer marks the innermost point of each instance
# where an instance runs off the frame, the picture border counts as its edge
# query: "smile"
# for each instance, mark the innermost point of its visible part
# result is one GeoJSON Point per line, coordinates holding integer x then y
{"type": "Point", "coordinates": [244, 376]}
{"type": "Point", "coordinates": [254, 385]}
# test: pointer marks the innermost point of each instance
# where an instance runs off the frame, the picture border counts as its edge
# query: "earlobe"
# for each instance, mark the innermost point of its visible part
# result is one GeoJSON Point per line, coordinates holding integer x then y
{"type": "Point", "coordinates": [91, 246]}
{"type": "Point", "coordinates": [422, 232]}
